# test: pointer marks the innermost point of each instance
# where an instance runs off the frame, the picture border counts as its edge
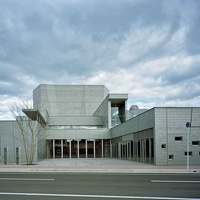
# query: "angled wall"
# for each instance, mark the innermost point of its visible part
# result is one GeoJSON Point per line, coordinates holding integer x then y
{"type": "Point", "coordinates": [69, 100]}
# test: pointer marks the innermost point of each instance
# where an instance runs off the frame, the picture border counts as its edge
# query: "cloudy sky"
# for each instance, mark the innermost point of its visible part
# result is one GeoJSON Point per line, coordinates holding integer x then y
{"type": "Point", "coordinates": [149, 49]}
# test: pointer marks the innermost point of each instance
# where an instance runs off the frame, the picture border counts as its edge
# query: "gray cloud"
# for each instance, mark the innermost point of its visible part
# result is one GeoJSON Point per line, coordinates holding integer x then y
{"type": "Point", "coordinates": [153, 45]}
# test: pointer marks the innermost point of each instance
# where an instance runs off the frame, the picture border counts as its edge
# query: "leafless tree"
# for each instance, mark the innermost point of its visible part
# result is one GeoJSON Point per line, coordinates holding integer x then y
{"type": "Point", "coordinates": [28, 129]}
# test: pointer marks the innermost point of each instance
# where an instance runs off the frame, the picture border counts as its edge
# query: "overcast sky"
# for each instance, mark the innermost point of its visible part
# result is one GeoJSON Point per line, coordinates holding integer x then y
{"type": "Point", "coordinates": [148, 49]}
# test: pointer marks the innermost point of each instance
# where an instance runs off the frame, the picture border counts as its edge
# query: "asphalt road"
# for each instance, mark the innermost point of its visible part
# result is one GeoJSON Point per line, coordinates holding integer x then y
{"type": "Point", "coordinates": [60, 186]}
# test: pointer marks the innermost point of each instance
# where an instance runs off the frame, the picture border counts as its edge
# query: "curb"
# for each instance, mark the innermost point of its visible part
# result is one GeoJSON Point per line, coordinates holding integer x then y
{"type": "Point", "coordinates": [79, 170]}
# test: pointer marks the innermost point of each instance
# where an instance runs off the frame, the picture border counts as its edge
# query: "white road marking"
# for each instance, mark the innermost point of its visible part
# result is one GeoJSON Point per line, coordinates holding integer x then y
{"type": "Point", "coordinates": [171, 181]}
{"type": "Point", "coordinates": [26, 179]}
{"type": "Point", "coordinates": [94, 196]}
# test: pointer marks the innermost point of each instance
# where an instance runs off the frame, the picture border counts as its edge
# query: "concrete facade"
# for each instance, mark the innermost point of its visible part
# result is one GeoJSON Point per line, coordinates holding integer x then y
{"type": "Point", "coordinates": [159, 136]}
{"type": "Point", "coordinates": [86, 121]}
{"type": "Point", "coordinates": [69, 100]}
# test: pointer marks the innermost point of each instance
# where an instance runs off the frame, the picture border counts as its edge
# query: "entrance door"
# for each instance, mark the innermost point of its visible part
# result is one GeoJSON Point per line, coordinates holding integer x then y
{"type": "Point", "coordinates": [82, 152]}
{"type": "Point", "coordinates": [57, 148]}
{"type": "Point", "coordinates": [65, 149]}
{"type": "Point", "coordinates": [74, 149]}
{"type": "Point", "coordinates": [90, 149]}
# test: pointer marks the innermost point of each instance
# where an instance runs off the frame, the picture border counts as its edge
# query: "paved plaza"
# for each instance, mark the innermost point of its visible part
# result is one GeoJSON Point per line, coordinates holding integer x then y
{"type": "Point", "coordinates": [100, 165]}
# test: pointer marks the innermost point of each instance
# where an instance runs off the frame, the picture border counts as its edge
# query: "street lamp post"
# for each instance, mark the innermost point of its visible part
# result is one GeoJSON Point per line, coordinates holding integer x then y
{"type": "Point", "coordinates": [188, 125]}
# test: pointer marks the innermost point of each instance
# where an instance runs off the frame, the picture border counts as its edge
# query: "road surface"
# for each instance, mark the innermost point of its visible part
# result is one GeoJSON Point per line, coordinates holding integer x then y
{"type": "Point", "coordinates": [77, 186]}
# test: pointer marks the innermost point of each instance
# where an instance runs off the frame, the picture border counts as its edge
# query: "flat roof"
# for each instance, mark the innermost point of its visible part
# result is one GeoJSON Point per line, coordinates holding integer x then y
{"type": "Point", "coordinates": [118, 98]}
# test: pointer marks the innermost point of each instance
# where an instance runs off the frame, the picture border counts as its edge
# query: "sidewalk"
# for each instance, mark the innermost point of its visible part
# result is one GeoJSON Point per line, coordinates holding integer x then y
{"type": "Point", "coordinates": [97, 165]}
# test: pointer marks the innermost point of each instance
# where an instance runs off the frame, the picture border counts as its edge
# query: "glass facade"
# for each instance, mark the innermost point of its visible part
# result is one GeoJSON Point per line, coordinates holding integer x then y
{"type": "Point", "coordinates": [140, 148]}
{"type": "Point", "coordinates": [78, 148]}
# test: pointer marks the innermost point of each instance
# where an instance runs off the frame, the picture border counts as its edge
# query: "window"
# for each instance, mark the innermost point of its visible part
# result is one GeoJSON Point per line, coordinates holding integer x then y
{"type": "Point", "coordinates": [178, 138]}
{"type": "Point", "coordinates": [163, 146]}
{"type": "Point", "coordinates": [171, 157]}
{"type": "Point", "coordinates": [195, 143]}
{"type": "Point", "coordinates": [190, 153]}
{"type": "Point", "coordinates": [72, 127]}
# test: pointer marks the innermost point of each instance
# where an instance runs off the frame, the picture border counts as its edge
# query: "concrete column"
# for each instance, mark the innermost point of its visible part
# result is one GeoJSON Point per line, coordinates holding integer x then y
{"type": "Point", "coordinates": [122, 150]}
{"type": "Point", "coordinates": [70, 149]}
{"type": "Point", "coordinates": [47, 146]}
{"type": "Point", "coordinates": [116, 150]}
{"type": "Point", "coordinates": [127, 151]}
{"type": "Point", "coordinates": [94, 148]}
{"type": "Point", "coordinates": [102, 148]}
{"type": "Point", "coordinates": [62, 149]}
{"type": "Point", "coordinates": [119, 150]}
{"type": "Point", "coordinates": [145, 153]}
{"type": "Point", "coordinates": [133, 147]}
{"type": "Point", "coordinates": [143, 149]}
{"type": "Point", "coordinates": [53, 149]}
{"type": "Point", "coordinates": [78, 148]}
{"type": "Point", "coordinates": [109, 115]}
{"type": "Point", "coordinates": [149, 150]}
{"type": "Point", "coordinates": [86, 149]}
{"type": "Point", "coordinates": [130, 152]}
{"type": "Point", "coordinates": [140, 150]}
{"type": "Point", "coordinates": [111, 149]}
{"type": "Point", "coordinates": [136, 148]}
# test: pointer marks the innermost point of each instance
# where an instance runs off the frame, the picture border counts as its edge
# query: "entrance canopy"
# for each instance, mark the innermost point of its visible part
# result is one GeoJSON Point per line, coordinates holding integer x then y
{"type": "Point", "coordinates": [35, 115]}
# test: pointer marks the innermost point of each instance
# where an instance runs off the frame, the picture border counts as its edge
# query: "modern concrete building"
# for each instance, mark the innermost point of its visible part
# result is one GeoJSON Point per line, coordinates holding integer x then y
{"type": "Point", "coordinates": [86, 121]}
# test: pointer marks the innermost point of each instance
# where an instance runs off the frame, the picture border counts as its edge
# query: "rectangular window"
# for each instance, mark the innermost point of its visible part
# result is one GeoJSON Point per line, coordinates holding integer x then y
{"type": "Point", "coordinates": [178, 138]}
{"type": "Point", "coordinates": [190, 153]}
{"type": "Point", "coordinates": [171, 157]}
{"type": "Point", "coordinates": [163, 146]}
{"type": "Point", "coordinates": [195, 143]}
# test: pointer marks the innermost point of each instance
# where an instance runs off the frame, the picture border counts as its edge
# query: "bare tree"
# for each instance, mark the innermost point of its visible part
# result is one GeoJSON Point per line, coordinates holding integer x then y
{"type": "Point", "coordinates": [29, 129]}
